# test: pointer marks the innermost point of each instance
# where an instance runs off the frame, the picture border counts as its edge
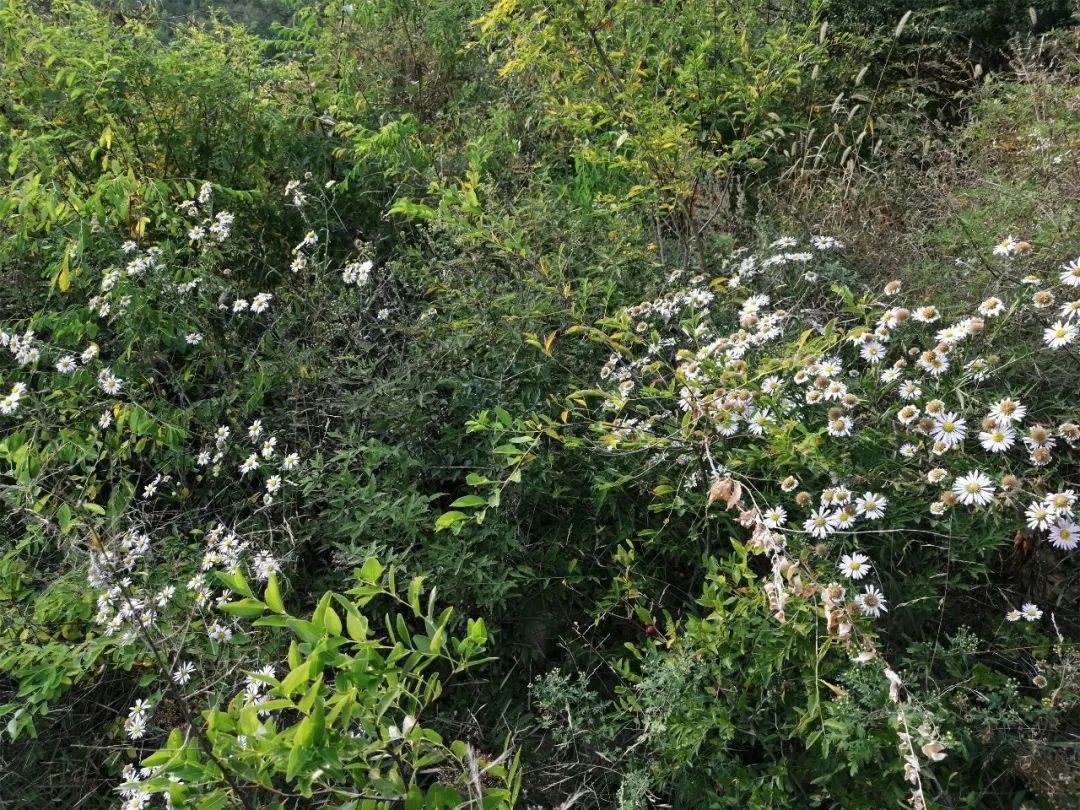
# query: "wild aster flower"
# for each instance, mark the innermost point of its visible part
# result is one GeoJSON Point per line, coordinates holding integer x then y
{"type": "Point", "coordinates": [1042, 299]}
{"type": "Point", "coordinates": [775, 517]}
{"type": "Point", "coordinates": [251, 463]}
{"type": "Point", "coordinates": [269, 447]}
{"type": "Point", "coordinates": [193, 338]}
{"type": "Point", "coordinates": [1061, 503]}
{"type": "Point", "coordinates": [1006, 247]}
{"type": "Point", "coordinates": [907, 414]}
{"type": "Point", "coordinates": [871, 602]}
{"type": "Point", "coordinates": [997, 439]}
{"type": "Point", "coordinates": [1059, 334]}
{"type": "Point", "coordinates": [758, 421]}
{"type": "Point", "coordinates": [135, 726]}
{"type": "Point", "coordinates": [910, 390]}
{"type": "Point", "coordinates": [871, 505]}
{"type": "Point", "coordinates": [949, 429]}
{"type": "Point", "coordinates": [239, 305]}
{"type": "Point", "coordinates": [9, 404]}
{"type": "Point", "coordinates": [183, 673]}
{"type": "Point", "coordinates": [206, 191]}
{"type": "Point", "coordinates": [937, 475]}
{"type": "Point", "coordinates": [273, 483]}
{"type": "Point", "coordinates": [1039, 516]}
{"type": "Point", "coordinates": [105, 420]}
{"type": "Point", "coordinates": [789, 484]}
{"type": "Point", "coordinates": [840, 427]}
{"type": "Point", "coordinates": [845, 517]}
{"type": "Point", "coordinates": [975, 488]}
{"type": "Point", "coordinates": [873, 352]}
{"type": "Point", "coordinates": [820, 524]}
{"type": "Point", "coordinates": [991, 307]}
{"type": "Point", "coordinates": [1009, 410]}
{"type": "Point", "coordinates": [66, 364]}
{"type": "Point", "coordinates": [908, 450]}
{"type": "Point", "coordinates": [938, 508]}
{"type": "Point", "coordinates": [264, 564]}
{"type": "Point", "coordinates": [110, 384]}
{"type": "Point", "coordinates": [1070, 309]}
{"type": "Point", "coordinates": [255, 430]}
{"type": "Point", "coordinates": [261, 302]}
{"type": "Point", "coordinates": [309, 240]}
{"type": "Point", "coordinates": [140, 707]}
{"type": "Point", "coordinates": [220, 633]}
{"type": "Point", "coordinates": [1031, 611]}
{"type": "Point", "coordinates": [1014, 615]}
{"type": "Point", "coordinates": [196, 233]}
{"type": "Point", "coordinates": [1070, 273]}
{"type": "Point", "coordinates": [1039, 436]}
{"type": "Point", "coordinates": [291, 461]}
{"type": "Point", "coordinates": [890, 375]}
{"type": "Point", "coordinates": [855, 566]}
{"type": "Point", "coordinates": [927, 314]}
{"type": "Point", "coordinates": [1064, 534]}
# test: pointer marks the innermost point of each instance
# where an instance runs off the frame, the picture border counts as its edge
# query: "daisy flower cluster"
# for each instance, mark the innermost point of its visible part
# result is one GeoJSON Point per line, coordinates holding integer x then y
{"type": "Point", "coordinates": [263, 454]}
{"type": "Point", "coordinates": [357, 272]}
{"type": "Point", "coordinates": [721, 369]}
{"type": "Point", "coordinates": [300, 251]}
{"type": "Point", "coordinates": [217, 227]}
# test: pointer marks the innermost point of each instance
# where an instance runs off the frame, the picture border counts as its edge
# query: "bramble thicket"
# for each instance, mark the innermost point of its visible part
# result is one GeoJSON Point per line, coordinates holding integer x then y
{"type": "Point", "coordinates": [545, 404]}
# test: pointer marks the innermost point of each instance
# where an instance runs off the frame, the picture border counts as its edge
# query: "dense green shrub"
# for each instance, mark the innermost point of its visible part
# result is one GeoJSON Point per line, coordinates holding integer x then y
{"type": "Point", "coordinates": [370, 287]}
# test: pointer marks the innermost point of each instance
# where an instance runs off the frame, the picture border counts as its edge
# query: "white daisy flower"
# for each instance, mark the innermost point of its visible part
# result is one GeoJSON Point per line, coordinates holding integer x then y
{"type": "Point", "coordinates": [1064, 535]}
{"type": "Point", "coordinates": [261, 302]}
{"type": "Point", "coordinates": [1059, 334]}
{"type": "Point", "coordinates": [855, 566]}
{"type": "Point", "coordinates": [871, 505]}
{"type": "Point", "coordinates": [949, 429]}
{"type": "Point", "coordinates": [820, 524]}
{"type": "Point", "coordinates": [66, 364]}
{"type": "Point", "coordinates": [1070, 273]}
{"type": "Point", "coordinates": [1009, 410]}
{"type": "Point", "coordinates": [775, 517]}
{"type": "Point", "coordinates": [975, 488]}
{"type": "Point", "coordinates": [183, 673]}
{"type": "Point", "coordinates": [997, 439]}
{"type": "Point", "coordinates": [871, 602]}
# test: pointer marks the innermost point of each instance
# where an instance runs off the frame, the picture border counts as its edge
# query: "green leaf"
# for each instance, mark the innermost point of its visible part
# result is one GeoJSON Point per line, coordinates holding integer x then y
{"type": "Point", "coordinates": [469, 501]}
{"type": "Point", "coordinates": [448, 519]}
{"type": "Point", "coordinates": [140, 421]}
{"type": "Point", "coordinates": [273, 595]}
{"type": "Point", "coordinates": [414, 595]}
{"type": "Point", "coordinates": [371, 571]}
{"type": "Point", "coordinates": [245, 608]}
{"type": "Point", "coordinates": [299, 675]}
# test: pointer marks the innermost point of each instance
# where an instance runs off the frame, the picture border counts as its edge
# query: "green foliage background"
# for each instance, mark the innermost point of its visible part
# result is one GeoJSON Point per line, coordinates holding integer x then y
{"type": "Point", "coordinates": [519, 173]}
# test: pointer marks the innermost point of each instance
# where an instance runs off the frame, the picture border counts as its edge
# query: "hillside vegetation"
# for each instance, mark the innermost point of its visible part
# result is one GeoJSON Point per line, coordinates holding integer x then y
{"type": "Point", "coordinates": [540, 404]}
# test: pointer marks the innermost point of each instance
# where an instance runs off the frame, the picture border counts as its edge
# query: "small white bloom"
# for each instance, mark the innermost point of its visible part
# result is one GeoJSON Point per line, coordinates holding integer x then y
{"type": "Point", "coordinates": [855, 566]}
